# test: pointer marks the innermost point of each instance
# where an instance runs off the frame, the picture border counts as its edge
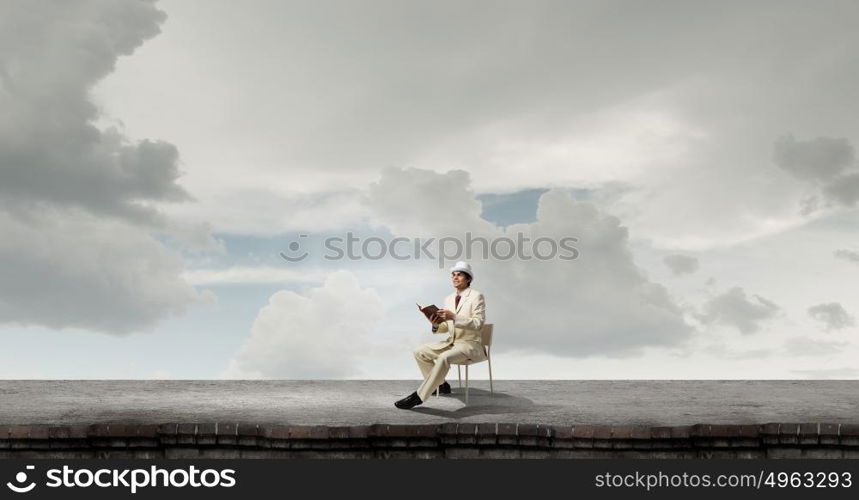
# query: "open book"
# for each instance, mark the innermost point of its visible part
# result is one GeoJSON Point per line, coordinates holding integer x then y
{"type": "Point", "coordinates": [430, 312]}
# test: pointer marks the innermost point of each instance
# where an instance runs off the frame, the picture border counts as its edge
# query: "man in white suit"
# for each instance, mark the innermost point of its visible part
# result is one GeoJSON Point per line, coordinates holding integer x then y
{"type": "Point", "coordinates": [463, 318]}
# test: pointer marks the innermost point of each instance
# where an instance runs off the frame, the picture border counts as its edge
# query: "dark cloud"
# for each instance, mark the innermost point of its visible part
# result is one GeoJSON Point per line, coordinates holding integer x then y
{"type": "Point", "coordinates": [51, 151]}
{"type": "Point", "coordinates": [734, 308]}
{"type": "Point", "coordinates": [79, 247]}
{"type": "Point", "coordinates": [846, 254]}
{"type": "Point", "coordinates": [824, 162]}
{"type": "Point", "coordinates": [681, 264]}
{"type": "Point", "coordinates": [843, 190]}
{"type": "Point", "coordinates": [816, 159]}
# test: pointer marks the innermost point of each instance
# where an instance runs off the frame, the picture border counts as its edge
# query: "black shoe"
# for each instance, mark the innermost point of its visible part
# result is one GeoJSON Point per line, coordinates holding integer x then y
{"type": "Point", "coordinates": [409, 402]}
{"type": "Point", "coordinates": [444, 388]}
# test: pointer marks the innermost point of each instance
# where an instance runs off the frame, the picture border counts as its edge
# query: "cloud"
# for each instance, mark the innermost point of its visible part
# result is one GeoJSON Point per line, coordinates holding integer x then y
{"type": "Point", "coordinates": [843, 190]}
{"type": "Point", "coordinates": [829, 373]}
{"type": "Point", "coordinates": [832, 315]}
{"type": "Point", "coordinates": [73, 269]}
{"type": "Point", "coordinates": [597, 303]}
{"type": "Point", "coordinates": [80, 229]}
{"type": "Point", "coordinates": [681, 264]}
{"type": "Point", "coordinates": [514, 96]}
{"type": "Point", "coordinates": [822, 158]}
{"type": "Point", "coordinates": [245, 275]}
{"type": "Point", "coordinates": [846, 254]}
{"type": "Point", "coordinates": [734, 308]}
{"type": "Point", "coordinates": [319, 334]}
{"type": "Point", "coordinates": [807, 346]}
{"type": "Point", "coordinates": [822, 161]}
{"type": "Point", "coordinates": [53, 152]}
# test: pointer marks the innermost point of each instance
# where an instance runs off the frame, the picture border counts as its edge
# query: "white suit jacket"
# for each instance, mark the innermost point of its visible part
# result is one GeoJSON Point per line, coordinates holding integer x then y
{"type": "Point", "coordinates": [468, 324]}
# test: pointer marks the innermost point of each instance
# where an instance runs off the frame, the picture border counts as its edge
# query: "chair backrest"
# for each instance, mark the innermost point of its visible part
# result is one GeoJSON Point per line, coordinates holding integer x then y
{"type": "Point", "coordinates": [486, 334]}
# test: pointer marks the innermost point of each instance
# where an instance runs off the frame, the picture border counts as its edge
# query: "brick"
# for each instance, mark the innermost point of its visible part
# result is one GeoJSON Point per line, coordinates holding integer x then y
{"type": "Point", "coordinates": [487, 434]}
{"type": "Point", "coordinates": [583, 432]}
{"type": "Point", "coordinates": [466, 433]}
{"type": "Point", "coordinates": [527, 434]}
{"type": "Point", "coordinates": [300, 432]}
{"type": "Point", "coordinates": [829, 429]}
{"type": "Point", "coordinates": [226, 430]}
{"type": "Point", "coordinates": [487, 430]}
{"type": "Point", "coordinates": [660, 433]}
{"type": "Point", "coordinates": [341, 432]}
{"type": "Point", "coordinates": [508, 429]}
{"type": "Point", "coordinates": [120, 430]}
{"type": "Point", "coordinates": [723, 431]}
{"type": "Point", "coordinates": [809, 433]}
{"type": "Point", "coordinates": [562, 432]}
{"type": "Point", "coordinates": [508, 434]}
{"type": "Point", "coordinates": [277, 432]}
{"type": "Point", "coordinates": [640, 432]}
{"type": "Point", "coordinates": [621, 431]}
{"type": "Point", "coordinates": [681, 432]}
{"type": "Point", "coordinates": [59, 432]}
{"type": "Point", "coordinates": [849, 430]}
{"type": "Point", "coordinates": [39, 432]}
{"type": "Point", "coordinates": [849, 435]}
{"type": "Point", "coordinates": [359, 431]}
{"type": "Point", "coordinates": [529, 430]}
{"type": "Point", "coordinates": [602, 432]}
{"type": "Point", "coordinates": [829, 434]}
{"type": "Point", "coordinates": [168, 429]}
{"type": "Point", "coordinates": [147, 431]}
{"type": "Point", "coordinates": [249, 430]}
{"type": "Point", "coordinates": [19, 431]}
{"type": "Point", "coordinates": [770, 429]}
{"type": "Point", "coordinates": [749, 431]}
{"type": "Point", "coordinates": [788, 433]}
{"type": "Point", "coordinates": [99, 430]}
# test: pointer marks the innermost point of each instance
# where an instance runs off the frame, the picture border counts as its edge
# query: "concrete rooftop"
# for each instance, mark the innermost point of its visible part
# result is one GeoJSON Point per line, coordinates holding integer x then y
{"type": "Point", "coordinates": [335, 403]}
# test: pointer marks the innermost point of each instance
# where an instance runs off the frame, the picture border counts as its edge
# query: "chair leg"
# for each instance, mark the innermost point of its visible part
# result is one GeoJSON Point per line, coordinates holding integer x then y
{"type": "Point", "coordinates": [459, 374]}
{"type": "Point", "coordinates": [466, 385]}
{"type": "Point", "coordinates": [491, 390]}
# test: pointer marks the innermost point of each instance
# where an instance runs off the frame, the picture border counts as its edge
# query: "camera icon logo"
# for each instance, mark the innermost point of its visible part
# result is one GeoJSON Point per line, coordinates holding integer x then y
{"type": "Point", "coordinates": [21, 478]}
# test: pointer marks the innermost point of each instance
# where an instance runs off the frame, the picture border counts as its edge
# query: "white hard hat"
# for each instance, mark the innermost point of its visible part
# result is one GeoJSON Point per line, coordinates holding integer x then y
{"type": "Point", "coordinates": [464, 267]}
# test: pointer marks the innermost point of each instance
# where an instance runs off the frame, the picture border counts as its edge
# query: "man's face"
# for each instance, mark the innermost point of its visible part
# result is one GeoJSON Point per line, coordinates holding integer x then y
{"type": "Point", "coordinates": [459, 279]}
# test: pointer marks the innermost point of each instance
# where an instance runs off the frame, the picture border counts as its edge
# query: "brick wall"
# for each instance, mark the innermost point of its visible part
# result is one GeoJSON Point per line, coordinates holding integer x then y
{"type": "Point", "coordinates": [448, 440]}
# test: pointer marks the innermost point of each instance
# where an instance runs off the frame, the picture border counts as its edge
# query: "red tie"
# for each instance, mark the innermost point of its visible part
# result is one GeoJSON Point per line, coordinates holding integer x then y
{"type": "Point", "coordinates": [457, 301]}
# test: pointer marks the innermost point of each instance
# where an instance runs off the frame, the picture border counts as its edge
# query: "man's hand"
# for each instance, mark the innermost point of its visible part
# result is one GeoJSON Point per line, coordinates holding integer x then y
{"type": "Point", "coordinates": [445, 314]}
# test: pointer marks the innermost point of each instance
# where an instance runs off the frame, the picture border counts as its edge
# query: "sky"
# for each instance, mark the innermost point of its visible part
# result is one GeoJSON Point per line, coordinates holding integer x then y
{"type": "Point", "coordinates": [679, 181]}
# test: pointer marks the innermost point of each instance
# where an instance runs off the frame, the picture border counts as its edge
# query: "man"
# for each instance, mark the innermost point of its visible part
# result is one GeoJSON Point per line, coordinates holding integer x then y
{"type": "Point", "coordinates": [462, 318]}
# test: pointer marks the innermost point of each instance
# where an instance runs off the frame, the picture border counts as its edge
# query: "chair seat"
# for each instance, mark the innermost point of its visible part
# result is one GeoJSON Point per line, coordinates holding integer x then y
{"type": "Point", "coordinates": [470, 361]}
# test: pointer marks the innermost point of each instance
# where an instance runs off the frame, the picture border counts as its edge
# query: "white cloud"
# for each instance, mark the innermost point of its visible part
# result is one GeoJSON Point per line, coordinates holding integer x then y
{"type": "Point", "coordinates": [249, 274]}
{"type": "Point", "coordinates": [807, 346]}
{"type": "Point", "coordinates": [521, 101]}
{"type": "Point", "coordinates": [322, 333]}
{"type": "Point", "coordinates": [599, 303]}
